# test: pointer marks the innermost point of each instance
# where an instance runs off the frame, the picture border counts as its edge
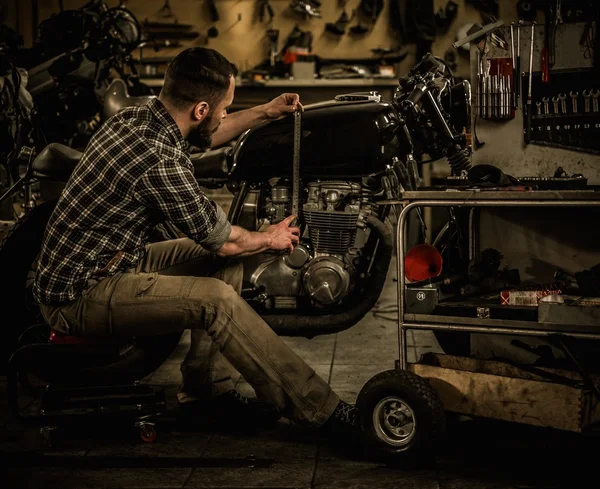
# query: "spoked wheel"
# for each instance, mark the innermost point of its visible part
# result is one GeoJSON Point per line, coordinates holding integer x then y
{"type": "Point", "coordinates": [401, 418]}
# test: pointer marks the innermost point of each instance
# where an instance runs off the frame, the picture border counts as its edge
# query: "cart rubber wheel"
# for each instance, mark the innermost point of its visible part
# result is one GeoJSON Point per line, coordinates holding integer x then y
{"type": "Point", "coordinates": [401, 418]}
{"type": "Point", "coordinates": [52, 436]}
{"type": "Point", "coordinates": [148, 435]}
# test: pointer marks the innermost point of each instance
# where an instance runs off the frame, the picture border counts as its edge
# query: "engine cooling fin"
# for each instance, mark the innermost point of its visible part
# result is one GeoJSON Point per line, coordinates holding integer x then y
{"type": "Point", "coordinates": [331, 231]}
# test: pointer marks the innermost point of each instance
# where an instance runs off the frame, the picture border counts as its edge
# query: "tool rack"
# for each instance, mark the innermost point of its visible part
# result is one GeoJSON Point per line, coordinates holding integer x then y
{"type": "Point", "coordinates": [561, 399]}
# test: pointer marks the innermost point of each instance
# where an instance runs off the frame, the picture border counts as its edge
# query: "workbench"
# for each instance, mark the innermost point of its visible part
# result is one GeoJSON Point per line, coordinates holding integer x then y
{"type": "Point", "coordinates": [250, 94]}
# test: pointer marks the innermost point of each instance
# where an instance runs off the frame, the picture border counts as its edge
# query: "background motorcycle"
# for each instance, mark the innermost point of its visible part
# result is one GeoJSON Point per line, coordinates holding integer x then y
{"type": "Point", "coordinates": [77, 55]}
{"type": "Point", "coordinates": [54, 91]}
{"type": "Point", "coordinates": [356, 151]}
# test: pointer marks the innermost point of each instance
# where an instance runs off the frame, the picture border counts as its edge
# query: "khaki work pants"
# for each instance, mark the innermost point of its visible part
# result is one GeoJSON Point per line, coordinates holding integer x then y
{"type": "Point", "coordinates": [177, 286]}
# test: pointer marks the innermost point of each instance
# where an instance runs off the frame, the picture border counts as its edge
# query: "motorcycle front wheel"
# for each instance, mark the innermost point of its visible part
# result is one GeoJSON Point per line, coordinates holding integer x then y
{"type": "Point", "coordinates": [130, 360]}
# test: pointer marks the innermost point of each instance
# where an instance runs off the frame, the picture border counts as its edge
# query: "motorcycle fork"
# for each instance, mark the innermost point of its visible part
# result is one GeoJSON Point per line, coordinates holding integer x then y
{"type": "Point", "coordinates": [26, 185]}
{"type": "Point", "coordinates": [25, 182]}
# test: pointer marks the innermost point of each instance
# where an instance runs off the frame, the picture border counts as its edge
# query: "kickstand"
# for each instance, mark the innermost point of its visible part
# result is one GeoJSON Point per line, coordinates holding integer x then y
{"type": "Point", "coordinates": [558, 340]}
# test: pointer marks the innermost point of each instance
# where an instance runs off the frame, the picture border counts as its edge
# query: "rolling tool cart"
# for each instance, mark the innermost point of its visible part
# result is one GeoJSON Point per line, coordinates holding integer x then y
{"type": "Point", "coordinates": [402, 411]}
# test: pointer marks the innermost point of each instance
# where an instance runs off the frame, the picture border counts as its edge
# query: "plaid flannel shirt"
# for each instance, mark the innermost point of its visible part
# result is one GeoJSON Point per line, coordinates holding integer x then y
{"type": "Point", "coordinates": [134, 174]}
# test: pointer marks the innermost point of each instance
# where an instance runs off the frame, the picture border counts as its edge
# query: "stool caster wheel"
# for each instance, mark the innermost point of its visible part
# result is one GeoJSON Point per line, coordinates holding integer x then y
{"type": "Point", "coordinates": [147, 431]}
{"type": "Point", "coordinates": [51, 435]}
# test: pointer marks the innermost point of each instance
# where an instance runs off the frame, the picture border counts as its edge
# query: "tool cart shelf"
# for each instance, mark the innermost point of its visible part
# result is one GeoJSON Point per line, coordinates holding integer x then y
{"type": "Point", "coordinates": [562, 399]}
{"type": "Point", "coordinates": [479, 313]}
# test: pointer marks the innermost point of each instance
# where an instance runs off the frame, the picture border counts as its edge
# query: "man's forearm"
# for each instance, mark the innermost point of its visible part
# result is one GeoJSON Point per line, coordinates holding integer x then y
{"type": "Point", "coordinates": [243, 243]}
{"type": "Point", "coordinates": [235, 124]}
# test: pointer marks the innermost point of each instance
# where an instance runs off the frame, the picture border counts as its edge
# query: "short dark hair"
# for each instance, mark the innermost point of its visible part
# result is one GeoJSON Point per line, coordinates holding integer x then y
{"type": "Point", "coordinates": [197, 74]}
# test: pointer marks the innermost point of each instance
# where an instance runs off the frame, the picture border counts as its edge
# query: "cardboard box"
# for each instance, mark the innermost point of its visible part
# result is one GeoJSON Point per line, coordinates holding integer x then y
{"type": "Point", "coordinates": [584, 311]}
{"type": "Point", "coordinates": [524, 297]}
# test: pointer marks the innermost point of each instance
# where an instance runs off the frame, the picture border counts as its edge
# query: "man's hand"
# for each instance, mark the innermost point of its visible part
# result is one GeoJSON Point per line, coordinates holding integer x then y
{"type": "Point", "coordinates": [283, 236]}
{"type": "Point", "coordinates": [277, 237]}
{"type": "Point", "coordinates": [286, 103]}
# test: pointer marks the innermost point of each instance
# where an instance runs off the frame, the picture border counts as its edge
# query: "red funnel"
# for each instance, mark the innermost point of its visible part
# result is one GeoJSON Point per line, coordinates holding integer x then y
{"type": "Point", "coordinates": [422, 262]}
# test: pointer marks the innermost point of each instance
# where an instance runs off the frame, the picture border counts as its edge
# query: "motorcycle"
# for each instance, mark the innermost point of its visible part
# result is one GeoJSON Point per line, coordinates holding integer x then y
{"type": "Point", "coordinates": [71, 65]}
{"type": "Point", "coordinates": [334, 166]}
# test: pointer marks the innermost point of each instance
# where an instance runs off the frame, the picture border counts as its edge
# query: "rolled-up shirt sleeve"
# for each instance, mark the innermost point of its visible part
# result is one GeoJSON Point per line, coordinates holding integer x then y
{"type": "Point", "coordinates": [170, 188]}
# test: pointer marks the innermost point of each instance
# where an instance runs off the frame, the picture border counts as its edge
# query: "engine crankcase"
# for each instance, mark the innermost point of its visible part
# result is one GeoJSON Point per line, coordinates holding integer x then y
{"type": "Point", "coordinates": [278, 277]}
{"type": "Point", "coordinates": [326, 280]}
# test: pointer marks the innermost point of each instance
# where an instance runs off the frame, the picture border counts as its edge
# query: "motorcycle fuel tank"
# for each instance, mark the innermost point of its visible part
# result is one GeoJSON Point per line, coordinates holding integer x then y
{"type": "Point", "coordinates": [340, 139]}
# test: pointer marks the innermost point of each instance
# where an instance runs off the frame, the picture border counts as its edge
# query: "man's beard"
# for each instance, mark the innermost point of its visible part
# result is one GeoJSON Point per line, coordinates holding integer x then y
{"type": "Point", "coordinates": [201, 135]}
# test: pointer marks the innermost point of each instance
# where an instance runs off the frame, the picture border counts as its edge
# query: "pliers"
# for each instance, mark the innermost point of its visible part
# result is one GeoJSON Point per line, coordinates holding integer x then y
{"type": "Point", "coordinates": [265, 6]}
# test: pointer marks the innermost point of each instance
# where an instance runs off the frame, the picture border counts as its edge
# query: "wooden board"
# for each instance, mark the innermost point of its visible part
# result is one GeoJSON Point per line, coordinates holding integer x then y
{"type": "Point", "coordinates": [511, 399]}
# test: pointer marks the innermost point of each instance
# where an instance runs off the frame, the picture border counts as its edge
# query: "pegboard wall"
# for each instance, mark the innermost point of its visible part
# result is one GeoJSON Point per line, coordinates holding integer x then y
{"type": "Point", "coordinates": [245, 42]}
{"type": "Point", "coordinates": [559, 136]}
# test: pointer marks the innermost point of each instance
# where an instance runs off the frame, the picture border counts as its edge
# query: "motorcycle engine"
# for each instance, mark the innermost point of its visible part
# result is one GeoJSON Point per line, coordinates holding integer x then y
{"type": "Point", "coordinates": [321, 268]}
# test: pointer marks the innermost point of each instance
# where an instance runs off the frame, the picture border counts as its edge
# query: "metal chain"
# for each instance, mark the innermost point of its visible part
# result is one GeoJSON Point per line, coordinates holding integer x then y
{"type": "Point", "coordinates": [296, 163]}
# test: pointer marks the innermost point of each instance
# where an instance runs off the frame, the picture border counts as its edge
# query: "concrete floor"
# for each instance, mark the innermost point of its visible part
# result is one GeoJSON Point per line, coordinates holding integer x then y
{"type": "Point", "coordinates": [478, 454]}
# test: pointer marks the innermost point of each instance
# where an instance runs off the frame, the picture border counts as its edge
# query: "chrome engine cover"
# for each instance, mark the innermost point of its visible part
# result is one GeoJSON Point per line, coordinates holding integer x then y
{"type": "Point", "coordinates": [326, 280]}
{"type": "Point", "coordinates": [279, 277]}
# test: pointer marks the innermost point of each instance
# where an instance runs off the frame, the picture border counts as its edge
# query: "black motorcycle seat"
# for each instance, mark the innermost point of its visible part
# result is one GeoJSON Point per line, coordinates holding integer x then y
{"type": "Point", "coordinates": [212, 164]}
{"type": "Point", "coordinates": [117, 97]}
{"type": "Point", "coordinates": [55, 162]}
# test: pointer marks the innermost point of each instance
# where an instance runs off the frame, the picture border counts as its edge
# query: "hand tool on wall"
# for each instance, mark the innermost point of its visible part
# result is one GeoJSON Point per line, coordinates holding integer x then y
{"type": "Point", "coordinates": [514, 72]}
{"type": "Point", "coordinates": [339, 26]}
{"type": "Point", "coordinates": [563, 102]}
{"type": "Point", "coordinates": [573, 96]}
{"type": "Point", "coordinates": [529, 109]}
{"type": "Point", "coordinates": [518, 63]}
{"type": "Point", "coordinates": [545, 50]}
{"type": "Point", "coordinates": [306, 8]}
{"type": "Point", "coordinates": [273, 36]}
{"type": "Point", "coordinates": [479, 86]}
{"type": "Point", "coordinates": [595, 93]}
{"type": "Point", "coordinates": [586, 97]}
{"type": "Point", "coordinates": [555, 102]}
{"type": "Point", "coordinates": [552, 40]}
{"type": "Point", "coordinates": [546, 102]}
{"type": "Point", "coordinates": [477, 32]}
{"type": "Point", "coordinates": [264, 7]}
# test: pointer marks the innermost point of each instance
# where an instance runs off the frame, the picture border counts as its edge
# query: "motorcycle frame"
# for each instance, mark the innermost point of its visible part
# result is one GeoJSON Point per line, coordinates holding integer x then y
{"type": "Point", "coordinates": [25, 183]}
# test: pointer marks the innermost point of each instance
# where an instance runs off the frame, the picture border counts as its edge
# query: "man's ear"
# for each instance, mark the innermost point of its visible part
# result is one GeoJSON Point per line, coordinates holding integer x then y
{"type": "Point", "coordinates": [200, 111]}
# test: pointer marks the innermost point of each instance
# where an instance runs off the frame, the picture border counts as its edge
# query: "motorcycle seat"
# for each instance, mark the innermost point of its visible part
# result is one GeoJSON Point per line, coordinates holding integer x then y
{"type": "Point", "coordinates": [213, 164]}
{"type": "Point", "coordinates": [117, 97]}
{"type": "Point", "coordinates": [55, 162]}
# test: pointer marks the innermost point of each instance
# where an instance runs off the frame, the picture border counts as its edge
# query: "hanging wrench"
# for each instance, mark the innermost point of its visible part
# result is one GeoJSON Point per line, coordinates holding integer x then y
{"type": "Point", "coordinates": [546, 102]}
{"type": "Point", "coordinates": [552, 41]}
{"type": "Point", "coordinates": [539, 108]}
{"type": "Point", "coordinates": [573, 96]}
{"type": "Point", "coordinates": [586, 98]}
{"type": "Point", "coordinates": [595, 94]}
{"type": "Point", "coordinates": [563, 103]}
{"type": "Point", "coordinates": [555, 101]}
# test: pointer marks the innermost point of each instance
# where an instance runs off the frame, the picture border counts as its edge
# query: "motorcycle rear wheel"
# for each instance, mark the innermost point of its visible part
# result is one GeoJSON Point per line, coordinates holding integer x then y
{"type": "Point", "coordinates": [137, 358]}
